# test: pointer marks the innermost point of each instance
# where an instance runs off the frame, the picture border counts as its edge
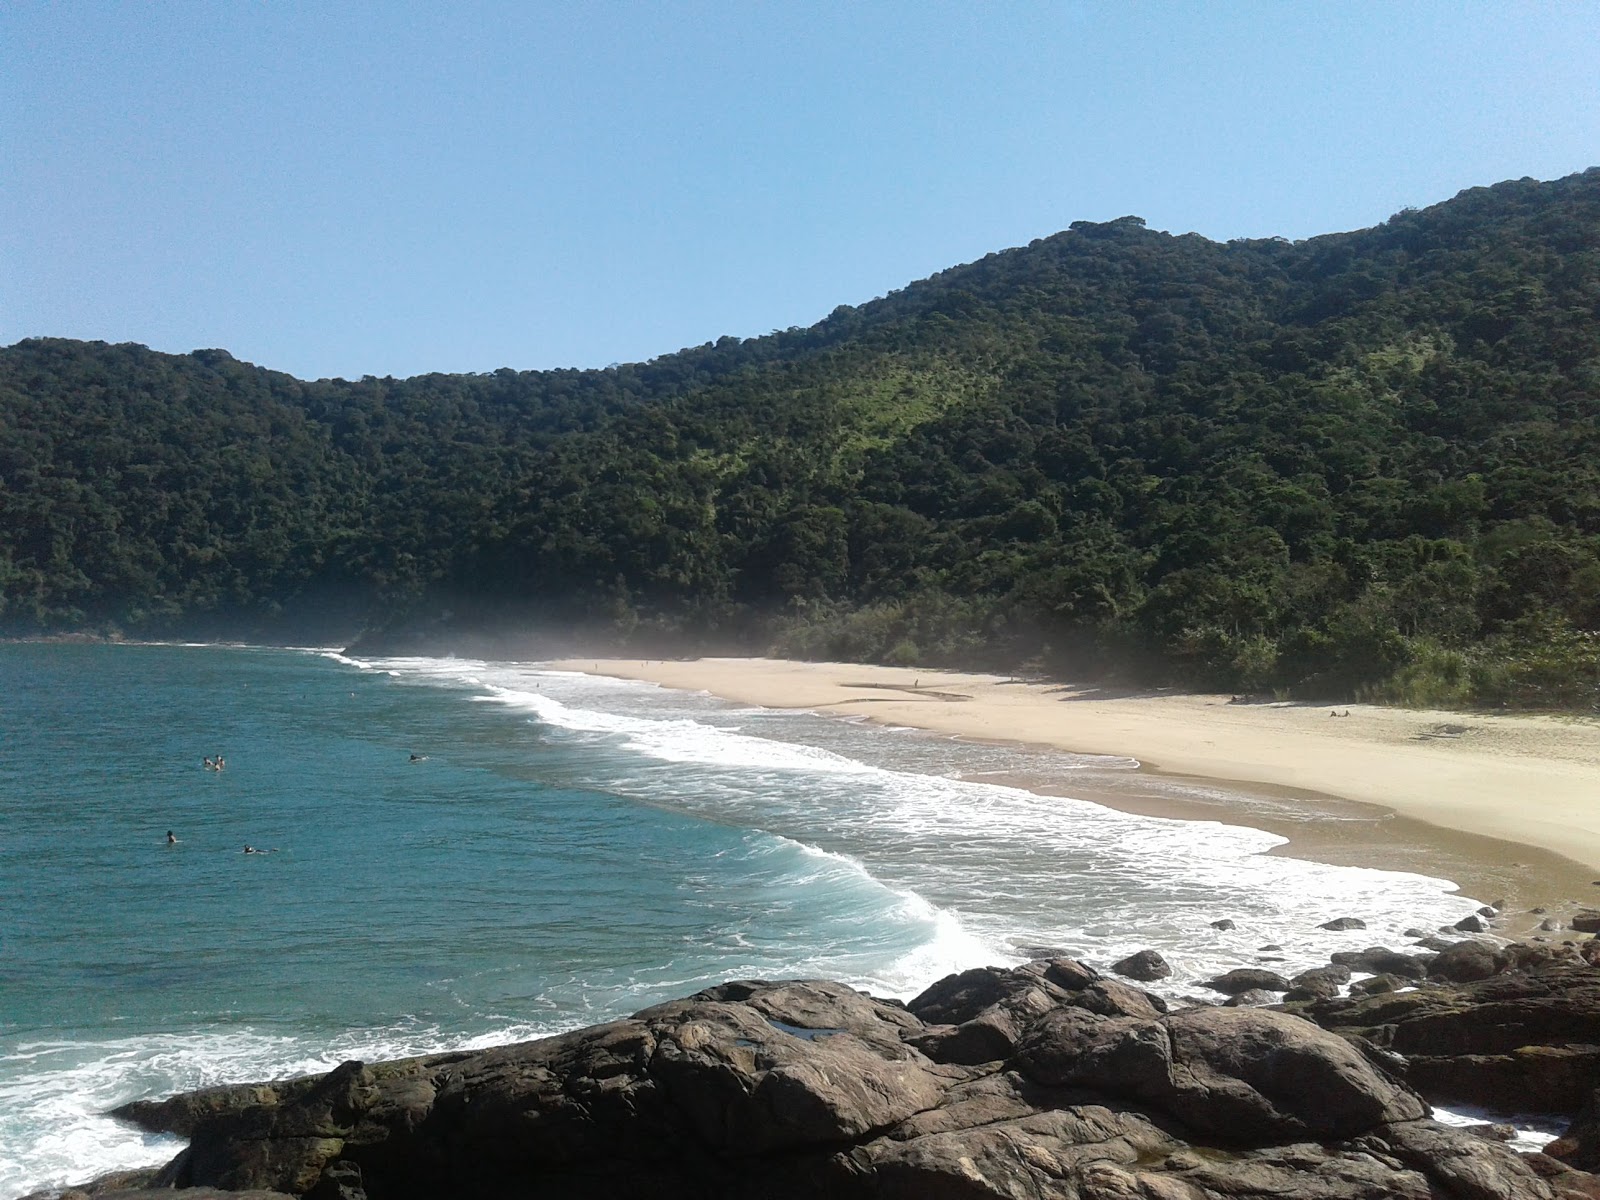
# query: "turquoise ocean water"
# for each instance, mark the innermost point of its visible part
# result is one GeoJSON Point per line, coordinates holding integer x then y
{"type": "Point", "coordinates": [568, 849]}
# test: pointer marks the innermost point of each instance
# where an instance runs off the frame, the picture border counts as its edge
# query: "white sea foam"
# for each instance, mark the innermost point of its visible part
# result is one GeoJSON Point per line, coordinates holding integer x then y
{"type": "Point", "coordinates": [1006, 865]}
{"type": "Point", "coordinates": [54, 1094]}
{"type": "Point", "coordinates": [682, 740]}
{"type": "Point", "coordinates": [1534, 1132]}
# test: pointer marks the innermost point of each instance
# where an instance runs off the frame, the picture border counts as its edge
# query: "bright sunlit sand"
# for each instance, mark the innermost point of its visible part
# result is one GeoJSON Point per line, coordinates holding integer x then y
{"type": "Point", "coordinates": [1529, 780]}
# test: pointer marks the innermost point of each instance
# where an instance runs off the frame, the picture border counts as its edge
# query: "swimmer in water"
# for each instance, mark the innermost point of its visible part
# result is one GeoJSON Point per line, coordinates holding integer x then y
{"type": "Point", "coordinates": [172, 838]}
{"type": "Point", "coordinates": [419, 758]}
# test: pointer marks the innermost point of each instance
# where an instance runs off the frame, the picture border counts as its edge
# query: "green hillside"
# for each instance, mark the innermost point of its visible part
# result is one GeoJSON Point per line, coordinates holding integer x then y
{"type": "Point", "coordinates": [1362, 464]}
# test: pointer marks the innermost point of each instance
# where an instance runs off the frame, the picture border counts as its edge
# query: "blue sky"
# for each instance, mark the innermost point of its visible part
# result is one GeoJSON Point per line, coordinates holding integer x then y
{"type": "Point", "coordinates": [394, 188]}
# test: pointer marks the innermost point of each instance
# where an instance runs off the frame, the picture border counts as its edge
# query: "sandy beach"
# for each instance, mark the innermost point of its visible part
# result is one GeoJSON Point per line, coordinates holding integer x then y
{"type": "Point", "coordinates": [1507, 806]}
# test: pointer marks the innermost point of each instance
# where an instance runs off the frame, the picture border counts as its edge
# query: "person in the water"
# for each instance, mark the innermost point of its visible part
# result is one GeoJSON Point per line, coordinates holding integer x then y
{"type": "Point", "coordinates": [253, 850]}
{"type": "Point", "coordinates": [172, 838]}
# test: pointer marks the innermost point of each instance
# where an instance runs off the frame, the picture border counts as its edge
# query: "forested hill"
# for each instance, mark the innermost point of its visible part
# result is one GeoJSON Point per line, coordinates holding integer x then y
{"type": "Point", "coordinates": [1366, 463]}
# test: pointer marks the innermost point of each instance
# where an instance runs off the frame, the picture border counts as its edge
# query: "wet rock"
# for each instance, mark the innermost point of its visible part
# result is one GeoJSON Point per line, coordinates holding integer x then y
{"type": "Point", "coordinates": [1377, 984]}
{"type": "Point", "coordinates": [1339, 924]}
{"type": "Point", "coordinates": [1436, 943]}
{"type": "Point", "coordinates": [180, 1114]}
{"type": "Point", "coordinates": [1028, 950]}
{"type": "Point", "coordinates": [1225, 923]}
{"type": "Point", "coordinates": [1319, 983]}
{"type": "Point", "coordinates": [1469, 924]}
{"type": "Point", "coordinates": [1585, 920]}
{"type": "Point", "coordinates": [1253, 998]}
{"type": "Point", "coordinates": [1145, 966]}
{"type": "Point", "coordinates": [1380, 960]}
{"type": "Point", "coordinates": [1466, 961]}
{"type": "Point", "coordinates": [1244, 979]}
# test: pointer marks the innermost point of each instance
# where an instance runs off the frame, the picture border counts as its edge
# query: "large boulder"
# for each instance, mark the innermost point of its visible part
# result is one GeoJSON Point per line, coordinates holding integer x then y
{"type": "Point", "coordinates": [1319, 983]}
{"type": "Point", "coordinates": [1340, 924]}
{"type": "Point", "coordinates": [802, 1089]}
{"type": "Point", "coordinates": [1247, 979]}
{"type": "Point", "coordinates": [1238, 1075]}
{"type": "Point", "coordinates": [1465, 961]}
{"type": "Point", "coordinates": [1146, 966]}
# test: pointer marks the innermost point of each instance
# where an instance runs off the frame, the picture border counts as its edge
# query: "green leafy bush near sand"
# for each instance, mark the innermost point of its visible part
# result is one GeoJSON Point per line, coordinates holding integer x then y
{"type": "Point", "coordinates": [1541, 664]}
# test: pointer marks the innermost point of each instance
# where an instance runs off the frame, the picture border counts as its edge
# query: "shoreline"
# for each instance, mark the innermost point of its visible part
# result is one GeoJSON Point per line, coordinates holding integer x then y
{"type": "Point", "coordinates": [1507, 807]}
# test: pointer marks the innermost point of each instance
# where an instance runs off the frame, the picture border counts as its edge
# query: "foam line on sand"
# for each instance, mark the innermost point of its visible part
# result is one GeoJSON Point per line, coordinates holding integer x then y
{"type": "Point", "coordinates": [1533, 781]}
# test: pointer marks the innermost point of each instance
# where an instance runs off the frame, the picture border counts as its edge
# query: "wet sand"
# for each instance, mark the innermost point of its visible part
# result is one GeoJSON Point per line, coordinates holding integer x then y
{"type": "Point", "coordinates": [1508, 807]}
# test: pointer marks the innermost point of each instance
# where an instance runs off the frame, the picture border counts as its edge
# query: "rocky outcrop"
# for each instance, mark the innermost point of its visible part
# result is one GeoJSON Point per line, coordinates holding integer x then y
{"type": "Point", "coordinates": [1380, 960]}
{"type": "Point", "coordinates": [1319, 983]}
{"type": "Point", "coordinates": [1043, 1081]}
{"type": "Point", "coordinates": [1340, 924]}
{"type": "Point", "coordinates": [1146, 966]}
{"type": "Point", "coordinates": [1247, 979]}
{"type": "Point", "coordinates": [1463, 962]}
{"type": "Point", "coordinates": [1522, 1040]}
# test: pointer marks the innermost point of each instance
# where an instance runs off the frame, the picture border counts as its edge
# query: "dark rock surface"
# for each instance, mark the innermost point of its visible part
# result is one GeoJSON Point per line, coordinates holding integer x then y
{"type": "Point", "coordinates": [1319, 983]}
{"type": "Point", "coordinates": [1339, 924]}
{"type": "Point", "coordinates": [1252, 998]}
{"type": "Point", "coordinates": [1042, 1081]}
{"type": "Point", "coordinates": [1526, 1039]}
{"type": "Point", "coordinates": [1146, 966]}
{"type": "Point", "coordinates": [1464, 962]}
{"type": "Point", "coordinates": [1247, 979]}
{"type": "Point", "coordinates": [1375, 984]}
{"type": "Point", "coordinates": [1380, 960]}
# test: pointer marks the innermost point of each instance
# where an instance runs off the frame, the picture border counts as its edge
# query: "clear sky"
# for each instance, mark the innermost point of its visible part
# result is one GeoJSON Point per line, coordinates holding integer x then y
{"type": "Point", "coordinates": [392, 188]}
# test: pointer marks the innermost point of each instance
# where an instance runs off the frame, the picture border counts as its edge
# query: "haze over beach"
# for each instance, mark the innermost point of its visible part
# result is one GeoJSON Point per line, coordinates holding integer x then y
{"type": "Point", "coordinates": [1062, 541]}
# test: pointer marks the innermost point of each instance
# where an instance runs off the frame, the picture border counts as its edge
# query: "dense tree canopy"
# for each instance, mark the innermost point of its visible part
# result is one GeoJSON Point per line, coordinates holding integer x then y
{"type": "Point", "coordinates": [1367, 463]}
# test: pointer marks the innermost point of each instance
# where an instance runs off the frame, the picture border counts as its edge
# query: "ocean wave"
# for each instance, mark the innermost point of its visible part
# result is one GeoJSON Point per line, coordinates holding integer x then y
{"type": "Point", "coordinates": [1005, 863]}
{"type": "Point", "coordinates": [54, 1093]}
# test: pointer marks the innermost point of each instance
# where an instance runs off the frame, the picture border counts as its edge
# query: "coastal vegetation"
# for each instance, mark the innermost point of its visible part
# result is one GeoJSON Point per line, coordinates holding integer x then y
{"type": "Point", "coordinates": [1365, 464]}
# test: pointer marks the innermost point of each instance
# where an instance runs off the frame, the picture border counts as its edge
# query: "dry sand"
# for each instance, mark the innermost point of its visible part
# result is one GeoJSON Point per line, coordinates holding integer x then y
{"type": "Point", "coordinates": [1507, 806]}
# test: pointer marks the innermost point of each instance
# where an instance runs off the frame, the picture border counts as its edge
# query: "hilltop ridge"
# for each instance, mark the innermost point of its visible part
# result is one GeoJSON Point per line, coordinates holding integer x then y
{"type": "Point", "coordinates": [1360, 463]}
